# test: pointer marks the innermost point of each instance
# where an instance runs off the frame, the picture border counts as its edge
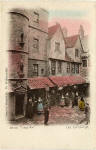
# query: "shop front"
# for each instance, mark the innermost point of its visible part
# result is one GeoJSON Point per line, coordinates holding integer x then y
{"type": "Point", "coordinates": [67, 85]}
{"type": "Point", "coordinates": [39, 87]}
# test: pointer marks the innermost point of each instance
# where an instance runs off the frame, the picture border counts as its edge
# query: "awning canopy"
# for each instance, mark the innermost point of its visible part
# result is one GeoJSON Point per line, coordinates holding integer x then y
{"type": "Point", "coordinates": [67, 80]}
{"type": "Point", "coordinates": [39, 83]}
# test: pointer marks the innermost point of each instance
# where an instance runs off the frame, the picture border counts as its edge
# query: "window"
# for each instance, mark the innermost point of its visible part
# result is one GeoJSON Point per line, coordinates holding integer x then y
{"type": "Point", "coordinates": [36, 43]}
{"type": "Point", "coordinates": [42, 71]}
{"type": "Point", "coordinates": [59, 67]}
{"type": "Point", "coordinates": [84, 63]}
{"type": "Point", "coordinates": [57, 46]}
{"type": "Point", "coordinates": [68, 67]}
{"type": "Point", "coordinates": [73, 68]}
{"type": "Point", "coordinates": [21, 40]}
{"type": "Point", "coordinates": [36, 17]}
{"type": "Point", "coordinates": [22, 37]}
{"type": "Point", "coordinates": [76, 53]}
{"type": "Point", "coordinates": [35, 69]}
{"type": "Point", "coordinates": [53, 67]}
{"type": "Point", "coordinates": [77, 68]}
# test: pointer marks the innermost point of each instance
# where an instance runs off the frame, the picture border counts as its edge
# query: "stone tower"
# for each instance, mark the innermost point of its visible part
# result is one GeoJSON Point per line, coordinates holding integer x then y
{"type": "Point", "coordinates": [18, 63]}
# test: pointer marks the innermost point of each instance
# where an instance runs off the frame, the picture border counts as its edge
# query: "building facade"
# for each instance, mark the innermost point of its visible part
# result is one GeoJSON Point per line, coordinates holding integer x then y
{"type": "Point", "coordinates": [38, 34]}
{"type": "Point", "coordinates": [41, 59]}
{"type": "Point", "coordinates": [56, 51]}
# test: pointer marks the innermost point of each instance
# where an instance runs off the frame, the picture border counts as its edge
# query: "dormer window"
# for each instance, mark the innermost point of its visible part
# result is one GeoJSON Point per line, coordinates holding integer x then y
{"type": "Point", "coordinates": [76, 53]}
{"type": "Point", "coordinates": [57, 46]}
{"type": "Point", "coordinates": [36, 17]}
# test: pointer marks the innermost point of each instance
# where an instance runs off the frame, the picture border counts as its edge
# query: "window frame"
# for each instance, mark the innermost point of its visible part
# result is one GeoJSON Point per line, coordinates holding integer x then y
{"type": "Point", "coordinates": [35, 69]}
{"type": "Point", "coordinates": [76, 52]}
{"type": "Point", "coordinates": [77, 68]}
{"type": "Point", "coordinates": [68, 67]}
{"type": "Point", "coordinates": [36, 43]}
{"type": "Point", "coordinates": [72, 68]}
{"type": "Point", "coordinates": [53, 67]}
{"type": "Point", "coordinates": [84, 65]}
{"type": "Point", "coordinates": [59, 67]}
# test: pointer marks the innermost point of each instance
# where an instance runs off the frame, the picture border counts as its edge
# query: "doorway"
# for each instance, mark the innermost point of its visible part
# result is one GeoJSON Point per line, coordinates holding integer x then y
{"type": "Point", "coordinates": [19, 104]}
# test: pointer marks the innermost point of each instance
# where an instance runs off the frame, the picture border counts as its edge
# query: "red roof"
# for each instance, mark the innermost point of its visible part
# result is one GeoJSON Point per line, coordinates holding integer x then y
{"type": "Point", "coordinates": [52, 30]}
{"type": "Point", "coordinates": [67, 80]}
{"type": "Point", "coordinates": [70, 41]}
{"type": "Point", "coordinates": [39, 82]}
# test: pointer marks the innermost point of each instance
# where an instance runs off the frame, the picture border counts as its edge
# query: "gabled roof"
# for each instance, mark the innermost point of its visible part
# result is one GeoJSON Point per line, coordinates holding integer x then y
{"type": "Point", "coordinates": [52, 30]}
{"type": "Point", "coordinates": [71, 41]}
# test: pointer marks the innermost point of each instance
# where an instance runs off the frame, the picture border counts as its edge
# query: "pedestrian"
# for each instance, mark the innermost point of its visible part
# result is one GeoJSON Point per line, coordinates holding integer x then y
{"type": "Point", "coordinates": [46, 114]}
{"type": "Point", "coordinates": [76, 99]}
{"type": "Point", "coordinates": [73, 97]}
{"type": "Point", "coordinates": [81, 104]}
{"type": "Point", "coordinates": [67, 99]}
{"type": "Point", "coordinates": [30, 109]}
{"type": "Point", "coordinates": [40, 106]}
{"type": "Point", "coordinates": [87, 114]}
{"type": "Point", "coordinates": [35, 104]}
{"type": "Point", "coordinates": [62, 101]}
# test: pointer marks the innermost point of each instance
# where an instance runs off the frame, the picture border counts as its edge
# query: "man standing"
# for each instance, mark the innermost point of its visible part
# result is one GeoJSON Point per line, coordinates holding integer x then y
{"type": "Point", "coordinates": [30, 108]}
{"type": "Point", "coordinates": [46, 114]}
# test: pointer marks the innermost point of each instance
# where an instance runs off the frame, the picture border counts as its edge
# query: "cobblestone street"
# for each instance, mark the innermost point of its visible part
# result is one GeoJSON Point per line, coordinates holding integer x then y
{"type": "Point", "coordinates": [58, 115]}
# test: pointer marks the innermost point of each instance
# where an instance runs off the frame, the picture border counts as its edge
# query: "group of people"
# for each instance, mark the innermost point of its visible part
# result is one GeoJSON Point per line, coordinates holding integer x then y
{"type": "Point", "coordinates": [41, 107]}
{"type": "Point", "coordinates": [76, 101]}
{"type": "Point", "coordinates": [38, 107]}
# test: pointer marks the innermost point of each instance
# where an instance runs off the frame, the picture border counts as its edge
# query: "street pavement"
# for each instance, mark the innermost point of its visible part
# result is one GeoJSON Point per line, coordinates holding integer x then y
{"type": "Point", "coordinates": [57, 116]}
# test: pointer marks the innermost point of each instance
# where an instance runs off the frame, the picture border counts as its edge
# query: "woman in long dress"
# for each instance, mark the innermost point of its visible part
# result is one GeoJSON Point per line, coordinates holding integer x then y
{"type": "Point", "coordinates": [40, 106]}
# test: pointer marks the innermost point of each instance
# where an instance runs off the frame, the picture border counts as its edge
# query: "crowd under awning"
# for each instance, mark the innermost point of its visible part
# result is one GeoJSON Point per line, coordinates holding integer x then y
{"type": "Point", "coordinates": [39, 83]}
{"type": "Point", "coordinates": [52, 81]}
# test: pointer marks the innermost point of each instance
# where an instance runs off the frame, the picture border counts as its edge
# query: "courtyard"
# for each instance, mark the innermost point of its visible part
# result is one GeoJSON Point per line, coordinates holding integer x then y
{"type": "Point", "coordinates": [57, 116]}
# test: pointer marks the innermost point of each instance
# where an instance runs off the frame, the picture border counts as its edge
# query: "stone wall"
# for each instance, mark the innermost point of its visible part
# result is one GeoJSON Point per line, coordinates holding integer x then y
{"type": "Point", "coordinates": [18, 44]}
{"type": "Point", "coordinates": [41, 52]}
{"type": "Point", "coordinates": [41, 65]}
{"type": "Point", "coordinates": [56, 54]}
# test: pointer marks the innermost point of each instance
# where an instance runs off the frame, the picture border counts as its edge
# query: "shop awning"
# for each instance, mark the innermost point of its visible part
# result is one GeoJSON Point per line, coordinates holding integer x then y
{"type": "Point", "coordinates": [67, 80]}
{"type": "Point", "coordinates": [39, 83]}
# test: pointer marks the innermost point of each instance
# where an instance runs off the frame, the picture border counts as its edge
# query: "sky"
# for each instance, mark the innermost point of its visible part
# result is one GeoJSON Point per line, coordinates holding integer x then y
{"type": "Point", "coordinates": [71, 19]}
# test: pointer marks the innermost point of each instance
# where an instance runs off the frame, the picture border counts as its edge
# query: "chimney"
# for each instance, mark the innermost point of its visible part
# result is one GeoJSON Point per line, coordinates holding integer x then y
{"type": "Point", "coordinates": [81, 32]}
{"type": "Point", "coordinates": [65, 31]}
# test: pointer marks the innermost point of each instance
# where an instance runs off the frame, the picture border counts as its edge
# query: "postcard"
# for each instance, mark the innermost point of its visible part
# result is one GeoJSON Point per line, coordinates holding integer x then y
{"type": "Point", "coordinates": [48, 75]}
